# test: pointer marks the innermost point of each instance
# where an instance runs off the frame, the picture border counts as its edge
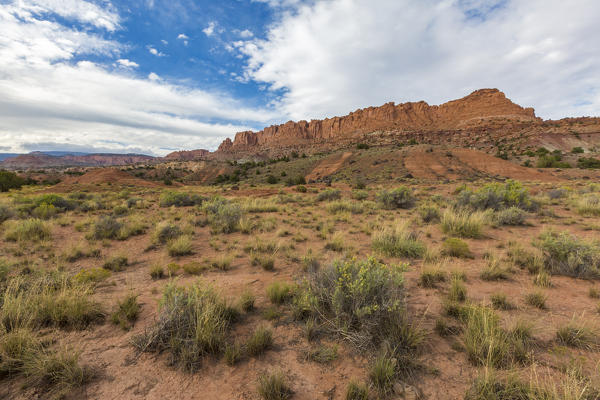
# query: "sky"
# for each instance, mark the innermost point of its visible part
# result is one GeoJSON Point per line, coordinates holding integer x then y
{"type": "Point", "coordinates": [153, 76]}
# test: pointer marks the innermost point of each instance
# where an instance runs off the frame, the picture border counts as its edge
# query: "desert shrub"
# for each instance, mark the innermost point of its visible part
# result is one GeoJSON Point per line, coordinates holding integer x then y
{"type": "Point", "coordinates": [429, 213]}
{"type": "Point", "coordinates": [192, 323]}
{"type": "Point", "coordinates": [536, 299]}
{"type": "Point", "coordinates": [91, 275]}
{"type": "Point", "coordinates": [542, 279]}
{"type": "Point", "coordinates": [233, 353]}
{"type": "Point", "coordinates": [486, 343]}
{"type": "Point", "coordinates": [106, 227]}
{"type": "Point", "coordinates": [496, 196]}
{"type": "Point", "coordinates": [357, 391]}
{"type": "Point", "coordinates": [166, 231]}
{"type": "Point", "coordinates": [157, 271]}
{"type": "Point", "coordinates": [179, 199]}
{"type": "Point", "coordinates": [194, 268]}
{"type": "Point", "coordinates": [5, 212]}
{"type": "Point", "coordinates": [120, 210]}
{"type": "Point", "coordinates": [279, 292]}
{"type": "Point", "coordinates": [398, 241]}
{"type": "Point", "coordinates": [577, 150]}
{"type": "Point", "coordinates": [31, 229]}
{"type": "Point", "coordinates": [588, 205]}
{"type": "Point", "coordinates": [510, 216]}
{"type": "Point", "coordinates": [457, 291]}
{"type": "Point", "coordinates": [77, 252]}
{"type": "Point", "coordinates": [223, 262]}
{"type": "Point", "coordinates": [55, 200]}
{"type": "Point", "coordinates": [259, 205]}
{"type": "Point", "coordinates": [116, 263]}
{"type": "Point", "coordinates": [463, 223]}
{"type": "Point", "coordinates": [588, 163]}
{"type": "Point", "coordinates": [259, 342]}
{"type": "Point", "coordinates": [247, 300]}
{"type": "Point", "coordinates": [360, 195]}
{"type": "Point", "coordinates": [222, 215]}
{"type": "Point", "coordinates": [181, 246]}
{"type": "Point", "coordinates": [455, 247]}
{"type": "Point", "coordinates": [10, 180]}
{"type": "Point", "coordinates": [47, 299]}
{"type": "Point", "coordinates": [329, 194]}
{"type": "Point", "coordinates": [489, 387]}
{"type": "Point", "coordinates": [44, 211]}
{"type": "Point", "coordinates": [578, 334]}
{"type": "Point", "coordinates": [322, 354]}
{"type": "Point", "coordinates": [565, 254]}
{"type": "Point", "coordinates": [273, 387]}
{"type": "Point", "coordinates": [523, 258]}
{"type": "Point", "coordinates": [430, 277]}
{"type": "Point", "coordinates": [400, 197]}
{"type": "Point", "coordinates": [126, 312]}
{"type": "Point", "coordinates": [551, 161]}
{"type": "Point", "coordinates": [494, 271]}
{"type": "Point", "coordinates": [362, 301]}
{"type": "Point", "coordinates": [500, 302]}
{"type": "Point", "coordinates": [341, 206]}
{"type": "Point", "coordinates": [266, 261]}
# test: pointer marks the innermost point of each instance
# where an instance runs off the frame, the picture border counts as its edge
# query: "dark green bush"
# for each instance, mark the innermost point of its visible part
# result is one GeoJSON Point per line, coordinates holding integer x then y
{"type": "Point", "coordinates": [10, 180]}
{"type": "Point", "coordinates": [400, 197]}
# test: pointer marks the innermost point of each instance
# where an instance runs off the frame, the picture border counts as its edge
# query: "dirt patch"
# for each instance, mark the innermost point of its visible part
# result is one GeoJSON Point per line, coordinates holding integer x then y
{"type": "Point", "coordinates": [328, 166]}
{"type": "Point", "coordinates": [103, 176]}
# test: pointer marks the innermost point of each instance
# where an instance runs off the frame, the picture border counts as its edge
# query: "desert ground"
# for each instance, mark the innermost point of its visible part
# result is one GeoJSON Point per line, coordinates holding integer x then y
{"type": "Point", "coordinates": [437, 276]}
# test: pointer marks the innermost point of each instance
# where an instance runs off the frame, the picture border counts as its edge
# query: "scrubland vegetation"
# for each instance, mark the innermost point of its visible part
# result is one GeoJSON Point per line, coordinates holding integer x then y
{"type": "Point", "coordinates": [383, 283]}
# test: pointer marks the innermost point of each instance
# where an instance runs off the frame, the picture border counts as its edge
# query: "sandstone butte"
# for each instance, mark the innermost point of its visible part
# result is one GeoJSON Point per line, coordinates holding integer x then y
{"type": "Point", "coordinates": [484, 116]}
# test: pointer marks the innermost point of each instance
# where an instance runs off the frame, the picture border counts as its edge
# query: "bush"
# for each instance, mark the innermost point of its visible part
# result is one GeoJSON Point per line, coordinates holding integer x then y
{"type": "Point", "coordinates": [157, 271]}
{"type": "Point", "coordinates": [510, 216]}
{"type": "Point", "coordinates": [579, 335]}
{"type": "Point", "coordinates": [106, 227]}
{"type": "Point", "coordinates": [178, 199]}
{"type": "Point", "coordinates": [500, 302]}
{"type": "Point", "coordinates": [194, 268]}
{"type": "Point", "coordinates": [496, 196]}
{"type": "Point", "coordinates": [182, 246]}
{"type": "Point", "coordinates": [429, 278]}
{"type": "Point", "coordinates": [329, 194]}
{"type": "Point", "coordinates": [565, 254]}
{"type": "Point", "coordinates": [10, 180]}
{"type": "Point", "coordinates": [588, 163]}
{"type": "Point", "coordinates": [247, 300]}
{"type": "Point", "coordinates": [222, 216]}
{"type": "Point", "coordinates": [273, 387]}
{"type": "Point", "coordinates": [536, 299]}
{"type": "Point", "coordinates": [360, 194]}
{"type": "Point", "coordinates": [494, 271]}
{"type": "Point", "coordinates": [577, 150]}
{"type": "Point", "coordinates": [552, 161]}
{"type": "Point", "coordinates": [383, 374]}
{"type": "Point", "coordinates": [116, 264]}
{"type": "Point", "coordinates": [362, 299]}
{"type": "Point", "coordinates": [398, 241]}
{"type": "Point", "coordinates": [166, 231]}
{"type": "Point", "coordinates": [429, 213]}
{"type": "Point", "coordinates": [341, 206]}
{"type": "Point", "coordinates": [192, 323]}
{"type": "Point", "coordinates": [588, 205]}
{"type": "Point", "coordinates": [271, 179]}
{"type": "Point", "coordinates": [463, 223]}
{"type": "Point", "coordinates": [91, 275]}
{"type": "Point", "coordinates": [5, 212]}
{"type": "Point", "coordinates": [455, 247]}
{"type": "Point", "coordinates": [279, 293]}
{"type": "Point", "coordinates": [260, 341]}
{"type": "Point", "coordinates": [31, 229]}
{"type": "Point", "coordinates": [401, 197]}
{"type": "Point", "coordinates": [126, 312]}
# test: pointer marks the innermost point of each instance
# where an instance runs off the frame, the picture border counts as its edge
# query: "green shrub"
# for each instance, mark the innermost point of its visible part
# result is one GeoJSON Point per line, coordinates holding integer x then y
{"type": "Point", "coordinates": [357, 391]}
{"type": "Point", "coordinates": [260, 341]}
{"type": "Point", "coordinates": [579, 335]}
{"type": "Point", "coordinates": [568, 255]}
{"type": "Point", "coordinates": [322, 354]}
{"type": "Point", "coordinates": [455, 247]}
{"type": "Point", "coordinates": [398, 241]}
{"type": "Point", "coordinates": [457, 291]}
{"type": "Point", "coordinates": [496, 196]}
{"type": "Point", "coordinates": [329, 194]}
{"type": "Point", "coordinates": [360, 194]}
{"type": "Point", "coordinates": [126, 312]}
{"type": "Point", "coordinates": [510, 216]}
{"type": "Point", "coordinates": [106, 227]}
{"type": "Point", "coordinates": [500, 302]}
{"type": "Point", "coordinates": [273, 387]}
{"type": "Point", "coordinates": [194, 268]}
{"type": "Point", "coordinates": [32, 230]}
{"type": "Point", "coordinates": [157, 271]}
{"type": "Point", "coordinates": [192, 323]}
{"type": "Point", "coordinates": [178, 199]}
{"type": "Point", "coordinates": [552, 161]}
{"type": "Point", "coordinates": [222, 216]}
{"type": "Point", "coordinates": [463, 223]}
{"type": "Point", "coordinates": [383, 374]}
{"type": "Point", "coordinates": [429, 213]}
{"type": "Point", "coordinates": [588, 163]}
{"type": "Point", "coordinates": [5, 212]}
{"type": "Point", "coordinates": [116, 263]}
{"type": "Point", "coordinates": [536, 299]}
{"type": "Point", "coordinates": [182, 246]}
{"type": "Point", "coordinates": [91, 275]}
{"type": "Point", "coordinates": [10, 180]}
{"type": "Point", "coordinates": [577, 150]}
{"type": "Point", "coordinates": [44, 211]}
{"type": "Point", "coordinates": [400, 197]}
{"type": "Point", "coordinates": [267, 262]}
{"type": "Point", "coordinates": [247, 300]}
{"type": "Point", "coordinates": [166, 231]}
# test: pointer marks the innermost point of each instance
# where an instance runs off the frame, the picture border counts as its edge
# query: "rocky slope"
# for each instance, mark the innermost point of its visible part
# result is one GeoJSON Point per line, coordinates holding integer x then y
{"type": "Point", "coordinates": [482, 119]}
{"type": "Point", "coordinates": [42, 160]}
{"type": "Point", "coordinates": [187, 155]}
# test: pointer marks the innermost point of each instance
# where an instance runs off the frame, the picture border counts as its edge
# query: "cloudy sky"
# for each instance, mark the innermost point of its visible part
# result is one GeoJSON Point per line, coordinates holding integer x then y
{"type": "Point", "coordinates": [153, 76]}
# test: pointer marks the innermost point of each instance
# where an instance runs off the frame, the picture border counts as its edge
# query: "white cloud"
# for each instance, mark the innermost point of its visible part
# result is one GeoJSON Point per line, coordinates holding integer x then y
{"type": "Point", "coordinates": [45, 97]}
{"type": "Point", "coordinates": [155, 52]}
{"type": "Point", "coordinates": [82, 11]}
{"type": "Point", "coordinates": [125, 63]}
{"type": "Point", "coordinates": [182, 36]}
{"type": "Point", "coordinates": [246, 34]}
{"type": "Point", "coordinates": [153, 77]}
{"type": "Point", "coordinates": [331, 57]}
{"type": "Point", "coordinates": [163, 41]}
{"type": "Point", "coordinates": [210, 29]}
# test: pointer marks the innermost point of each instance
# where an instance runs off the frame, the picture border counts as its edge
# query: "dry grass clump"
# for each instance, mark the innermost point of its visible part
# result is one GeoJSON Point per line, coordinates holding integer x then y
{"type": "Point", "coordinates": [222, 215]}
{"type": "Point", "coordinates": [91, 275]}
{"type": "Point", "coordinates": [192, 323]}
{"type": "Point", "coordinates": [398, 241]}
{"type": "Point", "coordinates": [274, 386]}
{"type": "Point", "coordinates": [182, 246]}
{"type": "Point", "coordinates": [510, 216]}
{"type": "Point", "coordinates": [494, 271]}
{"type": "Point", "coordinates": [400, 197]}
{"type": "Point", "coordinates": [430, 277]}
{"type": "Point", "coordinates": [329, 194]}
{"type": "Point", "coordinates": [588, 205]}
{"type": "Point", "coordinates": [28, 230]}
{"type": "Point", "coordinates": [579, 334]}
{"type": "Point", "coordinates": [536, 299]}
{"type": "Point", "coordinates": [279, 292]}
{"type": "Point", "coordinates": [565, 254]}
{"type": "Point", "coordinates": [260, 341]}
{"type": "Point", "coordinates": [126, 312]}
{"type": "Point", "coordinates": [357, 391]}
{"type": "Point", "coordinates": [116, 263]}
{"type": "Point", "coordinates": [105, 227]}
{"type": "Point", "coordinates": [179, 199]}
{"type": "Point", "coordinates": [463, 224]}
{"type": "Point", "coordinates": [345, 206]}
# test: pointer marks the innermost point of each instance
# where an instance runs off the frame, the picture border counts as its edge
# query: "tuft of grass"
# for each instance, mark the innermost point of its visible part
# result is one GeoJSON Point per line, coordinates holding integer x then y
{"type": "Point", "coordinates": [337, 242]}
{"type": "Point", "coordinates": [182, 246]}
{"type": "Point", "coordinates": [357, 391]}
{"type": "Point", "coordinates": [594, 293]}
{"type": "Point", "coordinates": [429, 213]}
{"type": "Point", "coordinates": [116, 264]}
{"type": "Point", "coordinates": [260, 341]}
{"type": "Point", "coordinates": [279, 292]}
{"type": "Point", "coordinates": [494, 271]}
{"type": "Point", "coordinates": [455, 247]}
{"type": "Point", "coordinates": [382, 374]}
{"type": "Point", "coordinates": [329, 194]}
{"type": "Point", "coordinates": [28, 230]}
{"type": "Point", "coordinates": [510, 216]}
{"type": "Point", "coordinates": [345, 206]}
{"type": "Point", "coordinates": [222, 215]}
{"type": "Point", "coordinates": [266, 261]}
{"type": "Point", "coordinates": [542, 279]}
{"type": "Point", "coordinates": [222, 263]}
{"type": "Point", "coordinates": [578, 334]}
{"type": "Point", "coordinates": [233, 353]}
{"type": "Point", "coordinates": [536, 299]}
{"type": "Point", "coordinates": [430, 277]}
{"type": "Point", "coordinates": [165, 232]}
{"type": "Point", "coordinates": [91, 275]}
{"type": "Point", "coordinates": [322, 354]}
{"type": "Point", "coordinates": [273, 386]}
{"type": "Point", "coordinates": [443, 329]}
{"type": "Point", "coordinates": [106, 227]}
{"type": "Point", "coordinates": [398, 241]}
{"type": "Point", "coordinates": [157, 271]}
{"type": "Point", "coordinates": [588, 205]}
{"type": "Point", "coordinates": [247, 300]}
{"type": "Point", "coordinates": [126, 312]}
{"type": "Point", "coordinates": [463, 224]}
{"type": "Point", "coordinates": [194, 268]}
{"type": "Point", "coordinates": [500, 302]}
{"type": "Point", "coordinates": [457, 291]}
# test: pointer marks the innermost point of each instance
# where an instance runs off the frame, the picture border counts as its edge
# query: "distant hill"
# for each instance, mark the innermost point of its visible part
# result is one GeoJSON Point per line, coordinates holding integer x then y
{"type": "Point", "coordinates": [67, 159]}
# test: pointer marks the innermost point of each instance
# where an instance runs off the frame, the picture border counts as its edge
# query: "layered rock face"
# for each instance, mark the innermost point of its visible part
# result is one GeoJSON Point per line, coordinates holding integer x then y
{"type": "Point", "coordinates": [187, 155]}
{"type": "Point", "coordinates": [41, 160]}
{"type": "Point", "coordinates": [474, 109]}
